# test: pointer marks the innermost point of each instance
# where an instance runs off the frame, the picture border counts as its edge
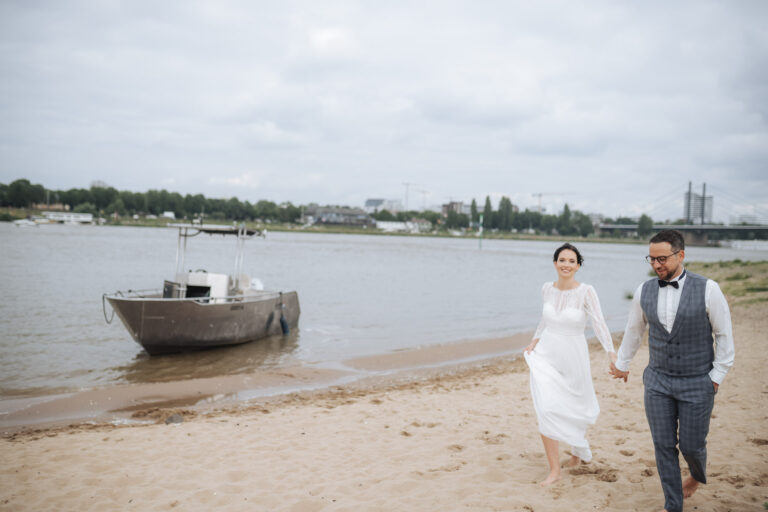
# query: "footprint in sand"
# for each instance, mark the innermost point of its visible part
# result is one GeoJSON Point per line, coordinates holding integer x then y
{"type": "Point", "coordinates": [737, 481]}
{"type": "Point", "coordinates": [456, 448]}
{"type": "Point", "coordinates": [491, 439]}
{"type": "Point", "coordinates": [619, 442]}
{"type": "Point", "coordinates": [757, 441]}
{"type": "Point", "coordinates": [602, 474]}
{"type": "Point", "coordinates": [627, 453]}
{"type": "Point", "coordinates": [448, 468]}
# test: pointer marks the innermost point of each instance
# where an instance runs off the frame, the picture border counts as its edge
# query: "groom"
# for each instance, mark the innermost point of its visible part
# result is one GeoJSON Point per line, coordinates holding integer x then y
{"type": "Point", "coordinates": [683, 311]}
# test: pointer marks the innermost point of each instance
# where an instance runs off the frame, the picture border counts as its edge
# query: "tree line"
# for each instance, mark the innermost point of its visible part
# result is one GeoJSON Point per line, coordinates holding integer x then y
{"type": "Point", "coordinates": [507, 219]}
{"type": "Point", "coordinates": [108, 201]}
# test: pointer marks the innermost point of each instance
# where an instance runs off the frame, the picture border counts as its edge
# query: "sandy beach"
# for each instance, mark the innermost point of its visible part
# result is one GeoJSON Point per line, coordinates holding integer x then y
{"type": "Point", "coordinates": [464, 439]}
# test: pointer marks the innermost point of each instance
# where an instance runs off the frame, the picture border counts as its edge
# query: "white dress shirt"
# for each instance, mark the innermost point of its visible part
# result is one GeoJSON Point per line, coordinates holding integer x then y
{"type": "Point", "coordinates": [669, 299]}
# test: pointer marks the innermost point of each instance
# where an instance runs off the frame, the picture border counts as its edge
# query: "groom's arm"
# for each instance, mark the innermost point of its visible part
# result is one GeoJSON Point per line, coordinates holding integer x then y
{"type": "Point", "coordinates": [633, 333]}
{"type": "Point", "coordinates": [720, 320]}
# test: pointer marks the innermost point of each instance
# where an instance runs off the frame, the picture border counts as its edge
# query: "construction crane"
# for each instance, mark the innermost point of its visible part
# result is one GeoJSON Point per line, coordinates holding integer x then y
{"type": "Point", "coordinates": [407, 186]}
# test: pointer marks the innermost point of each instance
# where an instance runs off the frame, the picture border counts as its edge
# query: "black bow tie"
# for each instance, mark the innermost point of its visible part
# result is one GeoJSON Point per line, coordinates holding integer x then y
{"type": "Point", "coordinates": [673, 284]}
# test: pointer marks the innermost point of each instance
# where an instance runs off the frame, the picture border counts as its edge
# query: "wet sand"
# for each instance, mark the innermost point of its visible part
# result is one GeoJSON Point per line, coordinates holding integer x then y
{"type": "Point", "coordinates": [120, 404]}
{"type": "Point", "coordinates": [454, 438]}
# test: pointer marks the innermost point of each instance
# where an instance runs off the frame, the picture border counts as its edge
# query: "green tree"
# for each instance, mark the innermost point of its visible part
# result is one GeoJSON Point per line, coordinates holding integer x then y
{"type": "Point", "coordinates": [117, 206]}
{"type": "Point", "coordinates": [474, 215]}
{"type": "Point", "coordinates": [194, 205]}
{"type": "Point", "coordinates": [582, 223]}
{"type": "Point", "coordinates": [132, 201]}
{"type": "Point", "coordinates": [289, 213]}
{"type": "Point", "coordinates": [384, 216]}
{"type": "Point", "coordinates": [265, 210]}
{"type": "Point", "coordinates": [21, 193]}
{"type": "Point", "coordinates": [487, 214]}
{"type": "Point", "coordinates": [505, 214]}
{"type": "Point", "coordinates": [456, 220]}
{"type": "Point", "coordinates": [103, 196]}
{"type": "Point", "coordinates": [548, 223]}
{"type": "Point", "coordinates": [75, 196]}
{"type": "Point", "coordinates": [564, 226]}
{"type": "Point", "coordinates": [644, 226]}
{"type": "Point", "coordinates": [86, 208]}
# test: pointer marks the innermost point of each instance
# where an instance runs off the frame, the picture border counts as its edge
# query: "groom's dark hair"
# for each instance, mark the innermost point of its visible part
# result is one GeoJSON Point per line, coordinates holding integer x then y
{"type": "Point", "coordinates": [674, 237]}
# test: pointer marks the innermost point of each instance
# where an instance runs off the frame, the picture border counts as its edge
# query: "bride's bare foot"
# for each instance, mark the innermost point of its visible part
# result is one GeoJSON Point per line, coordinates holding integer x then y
{"type": "Point", "coordinates": [552, 478]}
{"type": "Point", "coordinates": [690, 485]}
{"type": "Point", "coordinates": [573, 462]}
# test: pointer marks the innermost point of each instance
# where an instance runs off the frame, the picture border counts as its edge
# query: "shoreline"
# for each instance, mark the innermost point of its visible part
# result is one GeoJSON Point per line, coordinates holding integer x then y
{"type": "Point", "coordinates": [126, 404]}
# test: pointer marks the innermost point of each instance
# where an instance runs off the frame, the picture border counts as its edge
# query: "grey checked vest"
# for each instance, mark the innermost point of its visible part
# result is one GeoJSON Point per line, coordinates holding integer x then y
{"type": "Point", "coordinates": [687, 350]}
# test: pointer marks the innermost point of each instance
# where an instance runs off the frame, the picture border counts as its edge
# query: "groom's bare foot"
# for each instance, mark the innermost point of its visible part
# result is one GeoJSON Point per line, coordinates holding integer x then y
{"type": "Point", "coordinates": [552, 478]}
{"type": "Point", "coordinates": [690, 485]}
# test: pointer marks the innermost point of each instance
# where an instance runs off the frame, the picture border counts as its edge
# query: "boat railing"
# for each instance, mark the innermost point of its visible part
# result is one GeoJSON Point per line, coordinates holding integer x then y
{"type": "Point", "coordinates": [156, 294]}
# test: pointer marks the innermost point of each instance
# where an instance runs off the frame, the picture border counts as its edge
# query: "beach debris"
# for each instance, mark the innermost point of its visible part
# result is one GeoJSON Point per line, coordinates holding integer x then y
{"type": "Point", "coordinates": [160, 415]}
{"type": "Point", "coordinates": [174, 418]}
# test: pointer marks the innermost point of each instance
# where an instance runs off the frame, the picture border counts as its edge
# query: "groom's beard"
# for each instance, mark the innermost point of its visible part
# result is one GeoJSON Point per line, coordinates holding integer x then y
{"type": "Point", "coordinates": [668, 274]}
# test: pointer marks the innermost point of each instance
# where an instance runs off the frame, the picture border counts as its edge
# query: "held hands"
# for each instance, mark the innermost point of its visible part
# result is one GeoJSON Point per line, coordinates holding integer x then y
{"type": "Point", "coordinates": [615, 372]}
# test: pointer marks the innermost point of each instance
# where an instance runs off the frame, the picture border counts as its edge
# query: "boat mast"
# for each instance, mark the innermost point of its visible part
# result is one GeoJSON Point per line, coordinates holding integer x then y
{"type": "Point", "coordinates": [181, 249]}
{"type": "Point", "coordinates": [241, 232]}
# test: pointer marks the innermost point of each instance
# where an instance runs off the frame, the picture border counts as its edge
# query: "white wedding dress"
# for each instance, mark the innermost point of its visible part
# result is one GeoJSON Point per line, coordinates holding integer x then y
{"type": "Point", "coordinates": [561, 380]}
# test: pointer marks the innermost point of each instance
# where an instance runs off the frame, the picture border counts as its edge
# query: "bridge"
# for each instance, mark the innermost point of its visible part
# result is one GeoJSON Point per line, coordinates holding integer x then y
{"type": "Point", "coordinates": [694, 234]}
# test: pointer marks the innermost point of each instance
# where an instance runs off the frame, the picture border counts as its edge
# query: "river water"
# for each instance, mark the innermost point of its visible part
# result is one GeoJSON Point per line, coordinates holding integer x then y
{"type": "Point", "coordinates": [360, 295]}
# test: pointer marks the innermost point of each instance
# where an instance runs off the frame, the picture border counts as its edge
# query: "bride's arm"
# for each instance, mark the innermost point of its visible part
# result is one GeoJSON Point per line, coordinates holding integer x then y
{"type": "Point", "coordinates": [540, 327]}
{"type": "Point", "coordinates": [595, 313]}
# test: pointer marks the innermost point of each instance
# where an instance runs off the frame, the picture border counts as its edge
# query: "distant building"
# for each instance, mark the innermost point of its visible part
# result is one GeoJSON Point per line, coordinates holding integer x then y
{"type": "Point", "coordinates": [697, 208]}
{"type": "Point", "coordinates": [69, 218]}
{"type": "Point", "coordinates": [169, 215]}
{"type": "Point", "coordinates": [54, 207]}
{"type": "Point", "coordinates": [337, 215]}
{"type": "Point", "coordinates": [377, 205]}
{"type": "Point", "coordinates": [455, 206]}
{"type": "Point", "coordinates": [412, 226]}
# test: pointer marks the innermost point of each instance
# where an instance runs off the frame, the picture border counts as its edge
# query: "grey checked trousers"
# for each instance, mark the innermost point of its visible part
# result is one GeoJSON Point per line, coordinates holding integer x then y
{"type": "Point", "coordinates": [678, 411]}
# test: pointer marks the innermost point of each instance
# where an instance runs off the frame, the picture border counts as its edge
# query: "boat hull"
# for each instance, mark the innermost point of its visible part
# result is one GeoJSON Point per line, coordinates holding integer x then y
{"type": "Point", "coordinates": [164, 326]}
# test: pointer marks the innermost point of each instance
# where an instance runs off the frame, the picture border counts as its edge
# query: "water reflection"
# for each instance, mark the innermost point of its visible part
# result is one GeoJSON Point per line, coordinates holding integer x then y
{"type": "Point", "coordinates": [271, 352]}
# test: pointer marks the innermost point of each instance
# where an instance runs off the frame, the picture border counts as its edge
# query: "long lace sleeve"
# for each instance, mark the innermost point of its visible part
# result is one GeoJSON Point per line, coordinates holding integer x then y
{"type": "Point", "coordinates": [542, 323]}
{"type": "Point", "coordinates": [592, 307]}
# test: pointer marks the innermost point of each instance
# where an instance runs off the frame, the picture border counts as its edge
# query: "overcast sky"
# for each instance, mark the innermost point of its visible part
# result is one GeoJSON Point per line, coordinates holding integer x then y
{"type": "Point", "coordinates": [612, 107]}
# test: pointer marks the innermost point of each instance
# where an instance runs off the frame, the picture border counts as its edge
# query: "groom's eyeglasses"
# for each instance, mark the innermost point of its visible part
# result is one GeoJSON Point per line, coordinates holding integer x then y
{"type": "Point", "coordinates": [661, 259]}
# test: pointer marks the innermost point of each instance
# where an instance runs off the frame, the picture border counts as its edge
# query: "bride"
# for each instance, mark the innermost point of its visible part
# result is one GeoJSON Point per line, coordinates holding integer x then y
{"type": "Point", "coordinates": [558, 358]}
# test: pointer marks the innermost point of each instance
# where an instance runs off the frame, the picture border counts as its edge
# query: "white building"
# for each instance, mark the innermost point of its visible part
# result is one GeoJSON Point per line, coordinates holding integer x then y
{"type": "Point", "coordinates": [69, 218]}
{"type": "Point", "coordinates": [414, 226]}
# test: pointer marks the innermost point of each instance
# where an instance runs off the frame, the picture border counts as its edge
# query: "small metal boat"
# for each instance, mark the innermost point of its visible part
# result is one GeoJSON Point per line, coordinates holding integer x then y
{"type": "Point", "coordinates": [200, 310]}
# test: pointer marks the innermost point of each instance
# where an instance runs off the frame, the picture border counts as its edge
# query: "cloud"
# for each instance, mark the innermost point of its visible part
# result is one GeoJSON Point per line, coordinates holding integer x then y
{"type": "Point", "coordinates": [337, 102]}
